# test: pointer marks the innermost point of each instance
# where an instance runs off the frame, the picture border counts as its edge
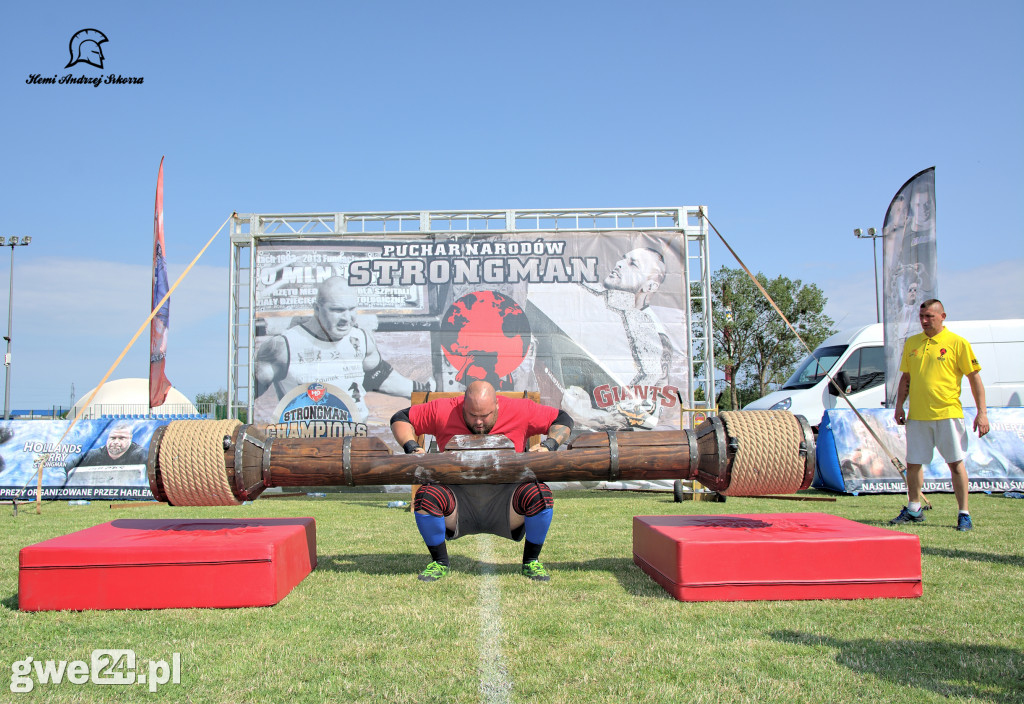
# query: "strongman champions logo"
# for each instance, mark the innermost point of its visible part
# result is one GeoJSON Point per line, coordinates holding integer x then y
{"type": "Point", "coordinates": [318, 411]}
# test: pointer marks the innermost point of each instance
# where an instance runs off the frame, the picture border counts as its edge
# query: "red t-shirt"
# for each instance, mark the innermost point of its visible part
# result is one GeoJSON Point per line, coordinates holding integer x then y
{"type": "Point", "coordinates": [518, 419]}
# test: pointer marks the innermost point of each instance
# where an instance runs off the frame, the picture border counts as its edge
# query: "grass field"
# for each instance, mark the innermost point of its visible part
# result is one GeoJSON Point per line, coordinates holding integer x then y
{"type": "Point", "coordinates": [361, 628]}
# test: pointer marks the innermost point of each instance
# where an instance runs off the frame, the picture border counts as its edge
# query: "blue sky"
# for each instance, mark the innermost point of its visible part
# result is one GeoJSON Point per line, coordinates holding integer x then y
{"type": "Point", "coordinates": [792, 122]}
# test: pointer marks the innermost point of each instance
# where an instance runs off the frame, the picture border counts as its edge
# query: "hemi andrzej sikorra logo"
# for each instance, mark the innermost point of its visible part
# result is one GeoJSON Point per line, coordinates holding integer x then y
{"type": "Point", "coordinates": [85, 49]}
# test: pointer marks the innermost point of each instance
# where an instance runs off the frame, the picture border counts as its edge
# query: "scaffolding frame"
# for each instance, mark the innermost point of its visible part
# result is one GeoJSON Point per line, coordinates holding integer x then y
{"type": "Point", "coordinates": [250, 229]}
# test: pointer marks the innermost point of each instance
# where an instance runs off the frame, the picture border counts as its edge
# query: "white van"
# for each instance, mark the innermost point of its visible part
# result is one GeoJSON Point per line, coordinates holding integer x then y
{"type": "Point", "coordinates": [858, 358]}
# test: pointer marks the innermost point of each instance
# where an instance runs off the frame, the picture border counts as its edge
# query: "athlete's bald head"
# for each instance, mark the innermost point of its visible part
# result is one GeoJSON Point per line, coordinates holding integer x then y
{"type": "Point", "coordinates": [335, 307]}
{"type": "Point", "coordinates": [119, 440]}
{"type": "Point", "coordinates": [641, 272]}
{"type": "Point", "coordinates": [480, 407]}
{"type": "Point", "coordinates": [335, 290]}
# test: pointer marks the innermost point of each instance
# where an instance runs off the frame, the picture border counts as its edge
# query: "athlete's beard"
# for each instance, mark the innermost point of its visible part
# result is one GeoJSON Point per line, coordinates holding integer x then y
{"type": "Point", "coordinates": [482, 430]}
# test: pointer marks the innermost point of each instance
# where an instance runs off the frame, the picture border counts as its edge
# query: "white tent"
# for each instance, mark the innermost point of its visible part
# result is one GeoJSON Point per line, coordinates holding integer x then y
{"type": "Point", "coordinates": [125, 397]}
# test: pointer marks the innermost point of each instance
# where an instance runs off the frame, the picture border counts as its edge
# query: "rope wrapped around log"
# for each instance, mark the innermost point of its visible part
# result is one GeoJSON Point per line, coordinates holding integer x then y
{"type": "Point", "coordinates": [766, 452]}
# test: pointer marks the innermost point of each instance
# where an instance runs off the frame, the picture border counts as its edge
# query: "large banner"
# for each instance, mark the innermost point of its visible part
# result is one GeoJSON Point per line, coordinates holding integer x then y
{"type": "Point", "coordinates": [347, 329]}
{"type": "Point", "coordinates": [98, 460]}
{"type": "Point", "coordinates": [909, 268]}
{"type": "Point", "coordinates": [849, 459]}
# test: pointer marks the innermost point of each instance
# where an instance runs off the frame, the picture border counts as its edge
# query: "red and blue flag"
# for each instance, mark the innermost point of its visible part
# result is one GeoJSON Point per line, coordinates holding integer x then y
{"type": "Point", "coordinates": [159, 385]}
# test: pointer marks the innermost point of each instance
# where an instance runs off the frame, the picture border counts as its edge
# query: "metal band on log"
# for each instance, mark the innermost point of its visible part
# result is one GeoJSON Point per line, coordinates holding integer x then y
{"type": "Point", "coordinates": [224, 462]}
{"type": "Point", "coordinates": [748, 453]}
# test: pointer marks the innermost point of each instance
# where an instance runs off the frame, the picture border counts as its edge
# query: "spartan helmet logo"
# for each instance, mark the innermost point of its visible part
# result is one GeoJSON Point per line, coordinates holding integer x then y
{"type": "Point", "coordinates": [85, 48]}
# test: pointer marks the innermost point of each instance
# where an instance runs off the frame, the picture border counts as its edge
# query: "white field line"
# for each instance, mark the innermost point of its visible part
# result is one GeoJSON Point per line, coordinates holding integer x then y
{"type": "Point", "coordinates": [495, 686]}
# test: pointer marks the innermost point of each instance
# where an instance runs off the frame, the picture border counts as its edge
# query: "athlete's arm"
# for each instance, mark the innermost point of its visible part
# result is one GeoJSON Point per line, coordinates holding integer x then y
{"type": "Point", "coordinates": [271, 363]}
{"type": "Point", "coordinates": [576, 401]}
{"type": "Point", "coordinates": [558, 431]}
{"type": "Point", "coordinates": [405, 433]}
{"type": "Point", "coordinates": [381, 376]}
{"type": "Point", "coordinates": [901, 396]}
{"type": "Point", "coordinates": [978, 391]}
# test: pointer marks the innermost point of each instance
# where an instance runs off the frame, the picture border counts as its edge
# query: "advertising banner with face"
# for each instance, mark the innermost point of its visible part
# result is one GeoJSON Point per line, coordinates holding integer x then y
{"type": "Point", "coordinates": [849, 459]}
{"type": "Point", "coordinates": [909, 268]}
{"type": "Point", "coordinates": [593, 321]}
{"type": "Point", "coordinates": [98, 460]}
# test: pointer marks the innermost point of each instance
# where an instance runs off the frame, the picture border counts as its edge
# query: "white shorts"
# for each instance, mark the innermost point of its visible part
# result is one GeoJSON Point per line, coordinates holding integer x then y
{"type": "Point", "coordinates": [948, 436]}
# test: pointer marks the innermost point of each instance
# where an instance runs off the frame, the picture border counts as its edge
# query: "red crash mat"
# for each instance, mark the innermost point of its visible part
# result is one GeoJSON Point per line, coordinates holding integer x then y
{"type": "Point", "coordinates": [168, 564]}
{"type": "Point", "coordinates": [776, 556]}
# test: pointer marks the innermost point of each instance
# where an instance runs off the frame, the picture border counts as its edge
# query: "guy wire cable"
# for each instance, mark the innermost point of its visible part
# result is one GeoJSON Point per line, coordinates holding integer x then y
{"type": "Point", "coordinates": [41, 462]}
{"type": "Point", "coordinates": [892, 457]}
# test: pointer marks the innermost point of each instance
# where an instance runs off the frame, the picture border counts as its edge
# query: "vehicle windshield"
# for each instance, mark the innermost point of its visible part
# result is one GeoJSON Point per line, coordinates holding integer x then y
{"type": "Point", "coordinates": [813, 368]}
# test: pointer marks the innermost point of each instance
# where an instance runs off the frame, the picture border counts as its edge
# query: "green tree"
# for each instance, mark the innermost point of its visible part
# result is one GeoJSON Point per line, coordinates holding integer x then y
{"type": "Point", "coordinates": [735, 316]}
{"type": "Point", "coordinates": [777, 350]}
{"type": "Point", "coordinates": [219, 397]}
{"type": "Point", "coordinates": [745, 393]}
{"type": "Point", "coordinates": [753, 346]}
{"type": "Point", "coordinates": [218, 400]}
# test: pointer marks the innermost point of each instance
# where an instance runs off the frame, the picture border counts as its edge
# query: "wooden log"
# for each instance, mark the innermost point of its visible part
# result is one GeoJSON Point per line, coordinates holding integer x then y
{"type": "Point", "coordinates": [253, 461]}
{"type": "Point", "coordinates": [478, 460]}
{"type": "Point", "coordinates": [743, 453]}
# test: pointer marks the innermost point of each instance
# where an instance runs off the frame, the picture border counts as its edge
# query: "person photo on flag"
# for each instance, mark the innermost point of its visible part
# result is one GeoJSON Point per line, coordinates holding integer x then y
{"type": "Point", "coordinates": [909, 272]}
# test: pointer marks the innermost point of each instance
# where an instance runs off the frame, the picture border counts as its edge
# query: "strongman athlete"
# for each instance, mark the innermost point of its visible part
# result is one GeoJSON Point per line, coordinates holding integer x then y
{"type": "Point", "coordinates": [512, 511]}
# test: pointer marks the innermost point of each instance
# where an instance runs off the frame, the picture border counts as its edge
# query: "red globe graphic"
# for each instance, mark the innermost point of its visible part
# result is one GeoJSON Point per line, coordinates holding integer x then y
{"type": "Point", "coordinates": [485, 336]}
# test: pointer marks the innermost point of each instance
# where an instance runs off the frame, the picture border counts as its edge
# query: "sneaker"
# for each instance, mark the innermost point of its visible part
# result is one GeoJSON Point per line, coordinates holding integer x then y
{"type": "Point", "coordinates": [963, 522]}
{"type": "Point", "coordinates": [433, 572]}
{"type": "Point", "coordinates": [908, 516]}
{"type": "Point", "coordinates": [535, 571]}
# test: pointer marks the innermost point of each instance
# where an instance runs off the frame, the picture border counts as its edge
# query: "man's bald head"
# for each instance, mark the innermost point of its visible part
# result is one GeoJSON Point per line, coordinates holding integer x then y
{"type": "Point", "coordinates": [641, 272]}
{"type": "Point", "coordinates": [119, 440]}
{"type": "Point", "coordinates": [335, 290]}
{"type": "Point", "coordinates": [335, 307]}
{"type": "Point", "coordinates": [480, 407]}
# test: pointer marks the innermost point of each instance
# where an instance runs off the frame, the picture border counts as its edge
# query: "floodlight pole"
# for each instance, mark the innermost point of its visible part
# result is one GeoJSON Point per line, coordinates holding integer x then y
{"type": "Point", "coordinates": [873, 236]}
{"type": "Point", "coordinates": [12, 243]}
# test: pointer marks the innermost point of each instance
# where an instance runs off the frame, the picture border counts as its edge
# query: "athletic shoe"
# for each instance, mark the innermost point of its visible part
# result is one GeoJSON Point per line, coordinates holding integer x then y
{"type": "Point", "coordinates": [535, 571]}
{"type": "Point", "coordinates": [908, 516]}
{"type": "Point", "coordinates": [963, 522]}
{"type": "Point", "coordinates": [433, 572]}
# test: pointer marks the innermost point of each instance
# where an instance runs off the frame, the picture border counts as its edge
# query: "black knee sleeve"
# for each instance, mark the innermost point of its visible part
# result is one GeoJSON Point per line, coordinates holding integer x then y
{"type": "Point", "coordinates": [434, 499]}
{"type": "Point", "coordinates": [531, 498]}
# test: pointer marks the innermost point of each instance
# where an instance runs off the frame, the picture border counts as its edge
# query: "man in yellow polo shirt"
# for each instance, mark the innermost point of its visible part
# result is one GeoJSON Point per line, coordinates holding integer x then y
{"type": "Point", "coordinates": [933, 365]}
